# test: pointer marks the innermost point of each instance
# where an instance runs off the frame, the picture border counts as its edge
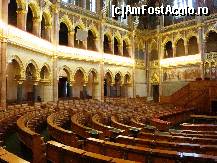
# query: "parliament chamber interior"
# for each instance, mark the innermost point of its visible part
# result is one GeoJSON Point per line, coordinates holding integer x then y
{"type": "Point", "coordinates": [79, 85]}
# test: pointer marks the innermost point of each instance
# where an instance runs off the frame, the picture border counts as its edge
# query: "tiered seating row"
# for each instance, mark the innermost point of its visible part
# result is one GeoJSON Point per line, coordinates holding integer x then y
{"type": "Point", "coordinates": [29, 137]}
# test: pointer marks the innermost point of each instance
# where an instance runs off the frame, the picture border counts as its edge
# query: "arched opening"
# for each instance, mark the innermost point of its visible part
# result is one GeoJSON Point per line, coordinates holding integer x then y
{"type": "Point", "coordinates": [107, 44]}
{"type": "Point", "coordinates": [91, 41]}
{"type": "Point", "coordinates": [125, 49]}
{"type": "Point", "coordinates": [168, 50]}
{"type": "Point", "coordinates": [116, 48]}
{"type": "Point", "coordinates": [43, 34]}
{"type": "Point", "coordinates": [91, 87]}
{"type": "Point", "coordinates": [79, 88]}
{"type": "Point", "coordinates": [193, 46]}
{"type": "Point", "coordinates": [63, 34]}
{"type": "Point", "coordinates": [125, 88]}
{"type": "Point", "coordinates": [117, 89]}
{"type": "Point", "coordinates": [63, 84]}
{"type": "Point", "coordinates": [211, 42]}
{"type": "Point", "coordinates": [107, 85]}
{"type": "Point", "coordinates": [29, 21]}
{"type": "Point", "coordinates": [180, 48]}
{"type": "Point", "coordinates": [30, 89]}
{"type": "Point", "coordinates": [13, 74]}
{"type": "Point", "coordinates": [153, 55]}
{"type": "Point", "coordinates": [44, 87]}
{"type": "Point", "coordinates": [44, 73]}
{"type": "Point", "coordinates": [12, 14]}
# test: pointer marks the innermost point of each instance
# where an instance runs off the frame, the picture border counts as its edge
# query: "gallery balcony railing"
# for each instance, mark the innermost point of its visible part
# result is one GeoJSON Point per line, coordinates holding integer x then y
{"type": "Point", "coordinates": [33, 43]}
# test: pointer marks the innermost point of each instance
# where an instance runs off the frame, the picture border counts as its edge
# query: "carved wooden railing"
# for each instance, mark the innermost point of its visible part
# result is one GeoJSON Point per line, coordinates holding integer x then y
{"type": "Point", "coordinates": [196, 94]}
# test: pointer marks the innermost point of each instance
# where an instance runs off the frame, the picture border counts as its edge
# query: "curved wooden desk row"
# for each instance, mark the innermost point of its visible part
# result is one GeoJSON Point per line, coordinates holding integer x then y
{"type": "Point", "coordinates": [212, 135]}
{"type": "Point", "coordinates": [143, 154]}
{"type": "Point", "coordinates": [199, 127]}
{"type": "Point", "coordinates": [7, 157]}
{"type": "Point", "coordinates": [98, 125]}
{"type": "Point", "coordinates": [180, 147]}
{"type": "Point", "coordinates": [82, 130]}
{"type": "Point", "coordinates": [126, 128]}
{"type": "Point", "coordinates": [178, 139]}
{"type": "Point", "coordinates": [197, 132]}
{"type": "Point", "coordinates": [58, 133]}
{"type": "Point", "coordinates": [32, 139]}
{"type": "Point", "coordinates": [60, 153]}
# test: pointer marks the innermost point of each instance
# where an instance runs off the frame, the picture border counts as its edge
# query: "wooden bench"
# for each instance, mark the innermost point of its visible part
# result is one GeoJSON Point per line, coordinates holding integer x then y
{"type": "Point", "coordinates": [142, 154]}
{"type": "Point", "coordinates": [58, 153]}
{"type": "Point", "coordinates": [6, 156]}
{"type": "Point", "coordinates": [58, 133]}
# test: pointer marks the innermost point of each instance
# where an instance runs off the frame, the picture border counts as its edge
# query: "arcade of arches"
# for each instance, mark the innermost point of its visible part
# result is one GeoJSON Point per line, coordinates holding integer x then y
{"type": "Point", "coordinates": [46, 79]}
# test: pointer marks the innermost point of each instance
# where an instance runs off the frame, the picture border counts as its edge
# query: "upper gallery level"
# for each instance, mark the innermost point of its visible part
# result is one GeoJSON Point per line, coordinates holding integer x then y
{"type": "Point", "coordinates": [77, 27]}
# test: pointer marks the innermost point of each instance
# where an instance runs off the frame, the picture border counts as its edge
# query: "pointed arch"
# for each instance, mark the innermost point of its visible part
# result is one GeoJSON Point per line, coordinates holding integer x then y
{"type": "Point", "coordinates": [35, 9]}
{"type": "Point", "coordinates": [67, 21]}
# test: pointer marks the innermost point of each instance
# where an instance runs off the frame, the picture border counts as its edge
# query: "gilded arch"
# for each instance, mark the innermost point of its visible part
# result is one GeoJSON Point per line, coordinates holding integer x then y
{"type": "Point", "coordinates": [84, 74]}
{"type": "Point", "coordinates": [92, 70]}
{"type": "Point", "coordinates": [66, 20]}
{"type": "Point", "coordinates": [35, 9]}
{"type": "Point", "coordinates": [111, 75]}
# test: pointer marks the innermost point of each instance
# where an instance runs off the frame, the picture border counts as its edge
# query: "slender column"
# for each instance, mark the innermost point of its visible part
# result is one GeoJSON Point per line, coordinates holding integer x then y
{"type": "Point", "coordinates": [55, 42]}
{"type": "Point", "coordinates": [174, 50]}
{"type": "Point", "coordinates": [84, 44]}
{"type": "Point", "coordinates": [85, 90]}
{"type": "Point", "coordinates": [84, 5]}
{"type": "Point", "coordinates": [112, 46]}
{"type": "Point", "coordinates": [21, 19]}
{"type": "Point", "coordinates": [129, 50]}
{"type": "Point", "coordinates": [71, 89]}
{"type": "Point", "coordinates": [48, 31]}
{"type": "Point", "coordinates": [19, 91]}
{"type": "Point", "coordinates": [3, 54]}
{"type": "Point", "coordinates": [120, 49]}
{"type": "Point", "coordinates": [96, 42]}
{"type": "Point", "coordinates": [186, 48]}
{"type": "Point", "coordinates": [98, 6]}
{"type": "Point", "coordinates": [36, 27]}
{"type": "Point", "coordinates": [35, 91]}
{"type": "Point", "coordinates": [71, 39]}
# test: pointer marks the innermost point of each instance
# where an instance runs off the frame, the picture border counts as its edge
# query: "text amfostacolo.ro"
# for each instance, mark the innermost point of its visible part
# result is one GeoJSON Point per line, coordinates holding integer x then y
{"type": "Point", "coordinates": [126, 10]}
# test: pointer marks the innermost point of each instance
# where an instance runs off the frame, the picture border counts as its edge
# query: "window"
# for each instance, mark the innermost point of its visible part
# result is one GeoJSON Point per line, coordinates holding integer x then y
{"type": "Point", "coordinates": [183, 3]}
{"type": "Point", "coordinates": [93, 5]}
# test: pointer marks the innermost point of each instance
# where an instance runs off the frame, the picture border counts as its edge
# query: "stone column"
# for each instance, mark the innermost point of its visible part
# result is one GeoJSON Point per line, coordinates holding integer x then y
{"type": "Point", "coordinates": [120, 49]}
{"type": "Point", "coordinates": [36, 27]}
{"type": "Point", "coordinates": [129, 50]}
{"type": "Point", "coordinates": [84, 5]}
{"type": "Point", "coordinates": [35, 91]}
{"type": "Point", "coordinates": [85, 90]}
{"type": "Point", "coordinates": [71, 89]}
{"type": "Point", "coordinates": [202, 46]}
{"type": "Point", "coordinates": [84, 44]}
{"type": "Point", "coordinates": [186, 47]}
{"type": "Point", "coordinates": [21, 19]}
{"type": "Point", "coordinates": [112, 46]}
{"type": "Point", "coordinates": [3, 52]}
{"type": "Point", "coordinates": [174, 50]}
{"type": "Point", "coordinates": [71, 39]}
{"type": "Point", "coordinates": [48, 31]}
{"type": "Point", "coordinates": [19, 91]}
{"type": "Point", "coordinates": [96, 43]}
{"type": "Point", "coordinates": [98, 6]}
{"type": "Point", "coordinates": [55, 42]}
